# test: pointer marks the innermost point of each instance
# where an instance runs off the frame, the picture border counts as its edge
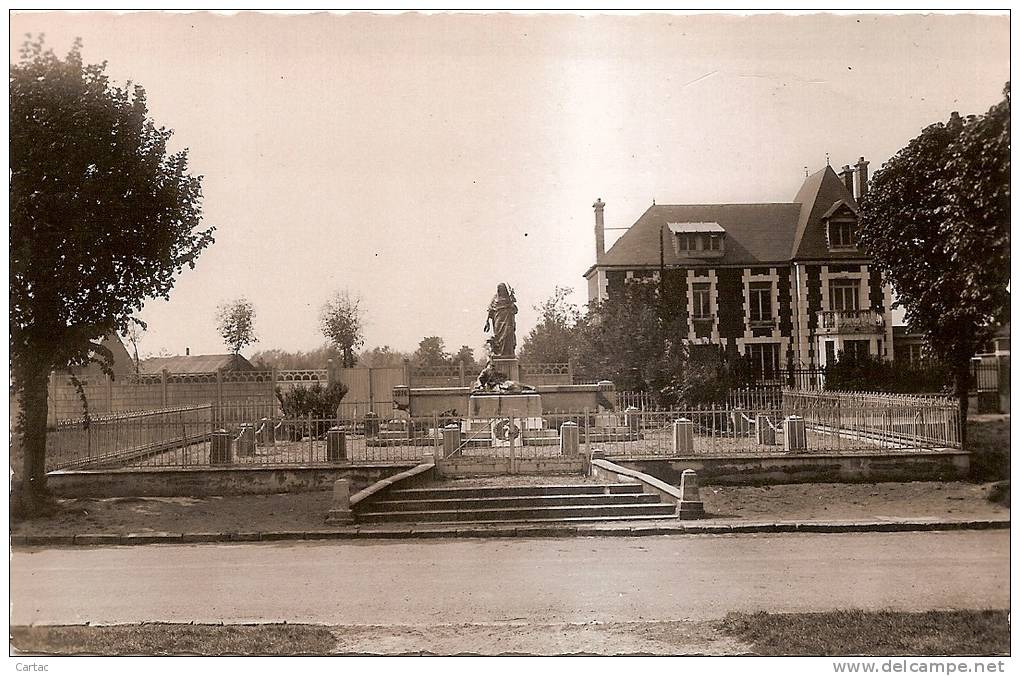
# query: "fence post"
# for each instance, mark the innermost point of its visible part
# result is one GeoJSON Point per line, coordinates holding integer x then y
{"type": "Point", "coordinates": [766, 435]}
{"type": "Point", "coordinates": [311, 438]}
{"type": "Point", "coordinates": [336, 445]}
{"type": "Point", "coordinates": [569, 440]}
{"type": "Point", "coordinates": [246, 440]}
{"type": "Point", "coordinates": [219, 392]}
{"type": "Point", "coordinates": [795, 433]}
{"type": "Point", "coordinates": [570, 369]}
{"type": "Point", "coordinates": [451, 440]}
{"type": "Point", "coordinates": [462, 382]}
{"type": "Point", "coordinates": [219, 448]}
{"type": "Point", "coordinates": [340, 511]}
{"type": "Point", "coordinates": [163, 376]}
{"type": "Point", "coordinates": [272, 390]}
{"type": "Point", "coordinates": [683, 436]}
{"type": "Point", "coordinates": [587, 438]}
{"type": "Point", "coordinates": [407, 373]}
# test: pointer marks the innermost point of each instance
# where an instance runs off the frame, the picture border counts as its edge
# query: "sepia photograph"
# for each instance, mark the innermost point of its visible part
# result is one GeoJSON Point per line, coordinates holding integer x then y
{"type": "Point", "coordinates": [509, 333]}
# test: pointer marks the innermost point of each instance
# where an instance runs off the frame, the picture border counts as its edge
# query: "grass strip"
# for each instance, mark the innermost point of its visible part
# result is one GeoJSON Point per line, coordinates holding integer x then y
{"type": "Point", "coordinates": [858, 632]}
{"type": "Point", "coordinates": [175, 639]}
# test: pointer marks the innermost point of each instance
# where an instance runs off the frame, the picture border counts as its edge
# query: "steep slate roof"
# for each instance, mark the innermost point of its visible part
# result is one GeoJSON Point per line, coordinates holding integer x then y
{"type": "Point", "coordinates": [755, 233]}
{"type": "Point", "coordinates": [199, 363]}
{"type": "Point", "coordinates": [821, 190]}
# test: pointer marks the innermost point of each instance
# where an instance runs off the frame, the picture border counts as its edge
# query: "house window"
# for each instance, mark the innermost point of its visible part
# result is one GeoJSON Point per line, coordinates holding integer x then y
{"type": "Point", "coordinates": [713, 242]}
{"type": "Point", "coordinates": [760, 299]}
{"type": "Point", "coordinates": [854, 349]}
{"type": "Point", "coordinates": [764, 359]}
{"type": "Point", "coordinates": [844, 294]}
{"type": "Point", "coordinates": [702, 302]}
{"type": "Point", "coordinates": [685, 242]}
{"type": "Point", "coordinates": [842, 235]}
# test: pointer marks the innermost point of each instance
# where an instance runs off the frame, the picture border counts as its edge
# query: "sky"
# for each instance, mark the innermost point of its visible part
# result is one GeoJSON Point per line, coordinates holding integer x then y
{"type": "Point", "coordinates": [419, 160]}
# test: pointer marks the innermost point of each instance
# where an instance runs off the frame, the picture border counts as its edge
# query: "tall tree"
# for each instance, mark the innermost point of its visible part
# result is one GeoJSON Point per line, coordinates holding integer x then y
{"type": "Point", "coordinates": [102, 217]}
{"type": "Point", "coordinates": [133, 334]}
{"type": "Point", "coordinates": [466, 355]}
{"type": "Point", "coordinates": [936, 222]}
{"type": "Point", "coordinates": [628, 339]}
{"type": "Point", "coordinates": [431, 352]}
{"type": "Point", "coordinates": [341, 323]}
{"type": "Point", "coordinates": [554, 337]}
{"type": "Point", "coordinates": [235, 320]}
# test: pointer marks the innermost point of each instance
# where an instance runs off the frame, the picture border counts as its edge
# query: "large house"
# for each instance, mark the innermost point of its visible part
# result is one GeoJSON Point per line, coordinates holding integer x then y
{"type": "Point", "coordinates": [781, 283]}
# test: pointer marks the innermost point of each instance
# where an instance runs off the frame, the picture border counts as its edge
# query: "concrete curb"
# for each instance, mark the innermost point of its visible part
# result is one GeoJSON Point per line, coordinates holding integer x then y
{"type": "Point", "coordinates": [551, 530]}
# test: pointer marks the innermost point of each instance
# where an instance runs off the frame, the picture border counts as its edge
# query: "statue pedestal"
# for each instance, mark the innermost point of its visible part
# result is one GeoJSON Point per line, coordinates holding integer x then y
{"type": "Point", "coordinates": [508, 366]}
{"type": "Point", "coordinates": [498, 411]}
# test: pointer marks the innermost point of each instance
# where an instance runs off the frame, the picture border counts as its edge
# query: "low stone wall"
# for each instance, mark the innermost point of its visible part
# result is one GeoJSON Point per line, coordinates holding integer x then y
{"type": "Point", "coordinates": [789, 469]}
{"type": "Point", "coordinates": [200, 482]}
{"type": "Point", "coordinates": [476, 466]}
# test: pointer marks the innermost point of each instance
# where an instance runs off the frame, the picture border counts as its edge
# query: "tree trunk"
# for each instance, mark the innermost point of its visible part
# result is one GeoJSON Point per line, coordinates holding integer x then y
{"type": "Point", "coordinates": [962, 378]}
{"type": "Point", "coordinates": [35, 498]}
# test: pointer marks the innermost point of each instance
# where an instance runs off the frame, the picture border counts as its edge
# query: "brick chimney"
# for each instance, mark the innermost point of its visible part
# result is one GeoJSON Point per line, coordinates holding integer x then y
{"type": "Point", "coordinates": [187, 352]}
{"type": "Point", "coordinates": [848, 178]}
{"type": "Point", "coordinates": [600, 230]}
{"type": "Point", "coordinates": [862, 178]}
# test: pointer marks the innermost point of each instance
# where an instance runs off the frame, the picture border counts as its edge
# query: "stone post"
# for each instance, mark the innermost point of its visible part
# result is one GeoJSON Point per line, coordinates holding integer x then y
{"type": "Point", "coordinates": [690, 506]}
{"type": "Point", "coordinates": [570, 439]}
{"type": "Point", "coordinates": [162, 382]}
{"type": "Point", "coordinates": [632, 418]}
{"type": "Point", "coordinates": [219, 448]}
{"type": "Point", "coordinates": [246, 441]}
{"type": "Point", "coordinates": [741, 426]}
{"type": "Point", "coordinates": [371, 425]}
{"type": "Point", "coordinates": [766, 435]}
{"type": "Point", "coordinates": [683, 436]}
{"type": "Point", "coordinates": [451, 440]}
{"type": "Point", "coordinates": [268, 435]}
{"type": "Point", "coordinates": [336, 445]}
{"type": "Point", "coordinates": [795, 433]}
{"type": "Point", "coordinates": [340, 511]}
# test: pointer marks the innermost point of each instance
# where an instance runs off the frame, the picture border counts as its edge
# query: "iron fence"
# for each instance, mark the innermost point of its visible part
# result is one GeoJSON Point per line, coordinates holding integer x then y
{"type": "Point", "coordinates": [125, 437]}
{"type": "Point", "coordinates": [755, 425]}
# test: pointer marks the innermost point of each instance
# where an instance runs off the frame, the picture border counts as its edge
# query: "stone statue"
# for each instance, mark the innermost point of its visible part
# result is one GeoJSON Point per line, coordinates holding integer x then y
{"type": "Point", "coordinates": [501, 317]}
{"type": "Point", "coordinates": [491, 380]}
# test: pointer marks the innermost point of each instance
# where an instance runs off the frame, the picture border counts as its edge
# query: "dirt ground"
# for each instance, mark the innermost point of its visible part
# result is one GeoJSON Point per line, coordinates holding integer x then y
{"type": "Point", "coordinates": [307, 511]}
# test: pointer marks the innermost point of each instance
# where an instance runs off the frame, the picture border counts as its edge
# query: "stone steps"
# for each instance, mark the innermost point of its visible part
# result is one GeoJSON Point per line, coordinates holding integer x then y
{"type": "Point", "coordinates": [514, 501]}
{"type": "Point", "coordinates": [510, 504]}
{"type": "Point", "coordinates": [498, 514]}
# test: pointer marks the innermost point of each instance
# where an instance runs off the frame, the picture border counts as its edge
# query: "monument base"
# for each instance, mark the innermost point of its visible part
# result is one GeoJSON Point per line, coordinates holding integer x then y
{"type": "Point", "coordinates": [509, 366]}
{"type": "Point", "coordinates": [499, 405]}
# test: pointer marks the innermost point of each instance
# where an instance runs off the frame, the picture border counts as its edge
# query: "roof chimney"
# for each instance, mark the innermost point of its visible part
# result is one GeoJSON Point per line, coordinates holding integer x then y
{"type": "Point", "coordinates": [848, 178]}
{"type": "Point", "coordinates": [187, 352]}
{"type": "Point", "coordinates": [600, 230]}
{"type": "Point", "coordinates": [862, 178]}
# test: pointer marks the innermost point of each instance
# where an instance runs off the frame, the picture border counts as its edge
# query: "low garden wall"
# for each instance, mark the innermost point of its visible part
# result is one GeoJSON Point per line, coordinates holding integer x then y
{"type": "Point", "coordinates": [789, 469]}
{"type": "Point", "coordinates": [206, 481]}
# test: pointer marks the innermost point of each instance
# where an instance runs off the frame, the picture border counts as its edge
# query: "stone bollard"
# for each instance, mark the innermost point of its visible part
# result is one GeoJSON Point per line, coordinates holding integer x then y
{"type": "Point", "coordinates": [246, 441]}
{"type": "Point", "coordinates": [451, 440]}
{"type": "Point", "coordinates": [632, 419]}
{"type": "Point", "coordinates": [741, 425]}
{"type": "Point", "coordinates": [570, 439]}
{"type": "Point", "coordinates": [340, 511]}
{"type": "Point", "coordinates": [219, 448]}
{"type": "Point", "coordinates": [795, 433]}
{"type": "Point", "coordinates": [690, 506]}
{"type": "Point", "coordinates": [371, 425]}
{"type": "Point", "coordinates": [336, 445]}
{"type": "Point", "coordinates": [683, 436]}
{"type": "Point", "coordinates": [267, 432]}
{"type": "Point", "coordinates": [766, 435]}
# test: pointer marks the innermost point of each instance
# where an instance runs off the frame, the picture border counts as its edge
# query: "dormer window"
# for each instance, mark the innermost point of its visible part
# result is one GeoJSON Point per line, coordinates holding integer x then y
{"type": "Point", "coordinates": [840, 227]}
{"type": "Point", "coordinates": [842, 234]}
{"type": "Point", "coordinates": [698, 240]}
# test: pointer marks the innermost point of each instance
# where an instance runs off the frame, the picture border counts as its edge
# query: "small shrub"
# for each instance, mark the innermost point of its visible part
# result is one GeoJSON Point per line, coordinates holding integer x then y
{"type": "Point", "coordinates": [316, 401]}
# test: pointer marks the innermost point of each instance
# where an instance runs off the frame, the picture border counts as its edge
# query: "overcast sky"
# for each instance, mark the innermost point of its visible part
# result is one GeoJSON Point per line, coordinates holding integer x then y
{"type": "Point", "coordinates": [420, 160]}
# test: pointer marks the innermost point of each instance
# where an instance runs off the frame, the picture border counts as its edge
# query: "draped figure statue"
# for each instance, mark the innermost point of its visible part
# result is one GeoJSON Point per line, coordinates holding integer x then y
{"type": "Point", "coordinates": [501, 317]}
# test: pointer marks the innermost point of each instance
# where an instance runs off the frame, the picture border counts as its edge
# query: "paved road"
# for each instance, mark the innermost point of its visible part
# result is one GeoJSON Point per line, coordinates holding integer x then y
{"type": "Point", "coordinates": [430, 582]}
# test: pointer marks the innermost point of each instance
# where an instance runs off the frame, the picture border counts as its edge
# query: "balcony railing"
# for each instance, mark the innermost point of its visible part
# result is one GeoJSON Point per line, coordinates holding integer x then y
{"type": "Point", "coordinates": [850, 321]}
